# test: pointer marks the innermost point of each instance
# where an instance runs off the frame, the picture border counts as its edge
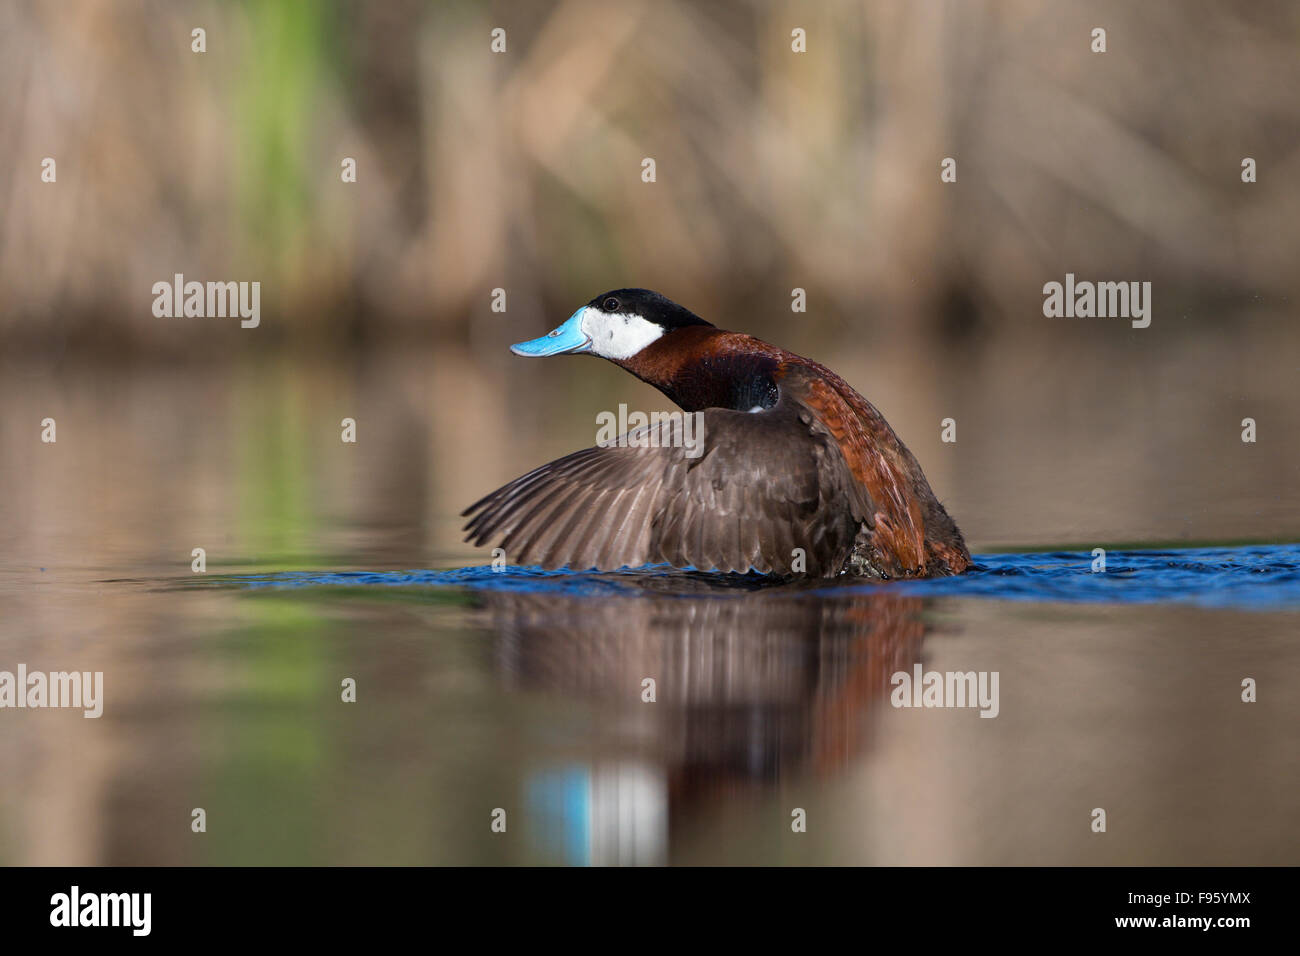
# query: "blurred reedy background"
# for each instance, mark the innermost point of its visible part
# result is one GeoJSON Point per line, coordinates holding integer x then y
{"type": "Point", "coordinates": [775, 170]}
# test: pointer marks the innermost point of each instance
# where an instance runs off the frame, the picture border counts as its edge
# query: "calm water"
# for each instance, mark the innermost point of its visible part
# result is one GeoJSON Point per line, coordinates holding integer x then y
{"type": "Point", "coordinates": [478, 690]}
{"type": "Point", "coordinates": [522, 690]}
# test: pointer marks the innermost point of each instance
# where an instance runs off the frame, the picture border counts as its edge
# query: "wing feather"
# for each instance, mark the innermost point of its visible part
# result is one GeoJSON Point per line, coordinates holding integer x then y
{"type": "Point", "coordinates": [767, 483]}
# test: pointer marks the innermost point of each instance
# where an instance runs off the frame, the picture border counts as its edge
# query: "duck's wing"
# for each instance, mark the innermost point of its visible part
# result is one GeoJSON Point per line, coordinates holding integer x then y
{"type": "Point", "coordinates": [756, 488]}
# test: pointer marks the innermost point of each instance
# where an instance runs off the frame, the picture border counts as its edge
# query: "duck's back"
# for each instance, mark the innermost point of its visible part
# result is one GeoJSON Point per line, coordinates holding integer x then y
{"type": "Point", "coordinates": [907, 532]}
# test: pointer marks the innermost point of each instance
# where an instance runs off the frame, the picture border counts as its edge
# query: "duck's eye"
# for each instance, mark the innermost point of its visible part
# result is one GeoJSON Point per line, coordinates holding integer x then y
{"type": "Point", "coordinates": [610, 304]}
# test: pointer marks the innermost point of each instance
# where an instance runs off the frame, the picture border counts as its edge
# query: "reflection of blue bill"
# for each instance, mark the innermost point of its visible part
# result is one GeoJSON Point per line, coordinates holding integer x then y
{"type": "Point", "coordinates": [607, 815]}
{"type": "Point", "coordinates": [559, 800]}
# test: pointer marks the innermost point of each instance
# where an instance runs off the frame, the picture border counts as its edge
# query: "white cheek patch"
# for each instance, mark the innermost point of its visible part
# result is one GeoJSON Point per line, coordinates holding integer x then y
{"type": "Point", "coordinates": [615, 335]}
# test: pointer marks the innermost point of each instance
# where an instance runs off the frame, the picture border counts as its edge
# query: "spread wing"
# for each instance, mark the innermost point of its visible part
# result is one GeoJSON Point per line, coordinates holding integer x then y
{"type": "Point", "coordinates": [765, 484]}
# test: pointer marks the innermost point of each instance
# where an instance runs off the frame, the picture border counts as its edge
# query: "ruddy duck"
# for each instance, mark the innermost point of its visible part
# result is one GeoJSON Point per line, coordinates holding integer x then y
{"type": "Point", "coordinates": [797, 473]}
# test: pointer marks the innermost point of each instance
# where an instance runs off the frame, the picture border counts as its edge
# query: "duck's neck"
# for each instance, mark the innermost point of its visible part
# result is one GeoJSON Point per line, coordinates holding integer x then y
{"type": "Point", "coordinates": [702, 367]}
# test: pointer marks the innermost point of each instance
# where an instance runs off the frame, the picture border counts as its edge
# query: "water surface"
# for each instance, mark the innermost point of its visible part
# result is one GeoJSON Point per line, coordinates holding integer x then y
{"type": "Point", "coordinates": [1261, 577]}
{"type": "Point", "coordinates": [523, 690]}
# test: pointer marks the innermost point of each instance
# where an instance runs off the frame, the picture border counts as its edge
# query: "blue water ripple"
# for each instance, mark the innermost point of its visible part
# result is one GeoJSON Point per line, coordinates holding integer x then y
{"type": "Point", "coordinates": [1256, 577]}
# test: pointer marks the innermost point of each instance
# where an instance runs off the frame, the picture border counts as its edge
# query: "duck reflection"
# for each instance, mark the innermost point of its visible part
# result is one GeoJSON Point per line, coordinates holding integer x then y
{"type": "Point", "coordinates": [703, 689]}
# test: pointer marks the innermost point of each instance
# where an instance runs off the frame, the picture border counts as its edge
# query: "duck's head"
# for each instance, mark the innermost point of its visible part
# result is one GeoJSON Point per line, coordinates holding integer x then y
{"type": "Point", "coordinates": [615, 325]}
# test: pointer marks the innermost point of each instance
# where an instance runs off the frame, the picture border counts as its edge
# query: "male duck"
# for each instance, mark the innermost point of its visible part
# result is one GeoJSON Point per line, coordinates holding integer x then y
{"type": "Point", "coordinates": [799, 474]}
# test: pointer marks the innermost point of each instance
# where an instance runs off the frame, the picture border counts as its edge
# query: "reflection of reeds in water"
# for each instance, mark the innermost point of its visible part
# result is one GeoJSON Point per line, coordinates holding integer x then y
{"type": "Point", "coordinates": [749, 686]}
{"type": "Point", "coordinates": [522, 170]}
